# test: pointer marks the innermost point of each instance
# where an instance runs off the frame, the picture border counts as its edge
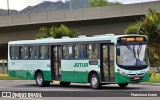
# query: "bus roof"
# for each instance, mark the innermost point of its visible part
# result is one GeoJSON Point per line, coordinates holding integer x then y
{"type": "Point", "coordinates": [112, 38]}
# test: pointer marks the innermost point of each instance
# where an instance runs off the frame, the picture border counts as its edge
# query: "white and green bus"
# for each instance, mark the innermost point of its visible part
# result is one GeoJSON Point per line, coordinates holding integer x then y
{"type": "Point", "coordinates": [98, 60]}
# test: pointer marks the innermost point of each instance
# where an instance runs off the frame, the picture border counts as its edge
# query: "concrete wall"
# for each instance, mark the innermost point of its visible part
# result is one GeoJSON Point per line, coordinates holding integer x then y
{"type": "Point", "coordinates": [79, 14]}
{"type": "Point", "coordinates": [115, 28]}
{"type": "Point", "coordinates": [20, 35]}
{"type": "Point", "coordinates": [89, 30]}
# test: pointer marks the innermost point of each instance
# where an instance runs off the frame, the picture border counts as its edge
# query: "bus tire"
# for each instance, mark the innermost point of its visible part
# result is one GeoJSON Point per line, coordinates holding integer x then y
{"type": "Point", "coordinates": [65, 83]}
{"type": "Point", "coordinates": [47, 83]}
{"type": "Point", "coordinates": [40, 80]}
{"type": "Point", "coordinates": [123, 85]}
{"type": "Point", "coordinates": [95, 81]}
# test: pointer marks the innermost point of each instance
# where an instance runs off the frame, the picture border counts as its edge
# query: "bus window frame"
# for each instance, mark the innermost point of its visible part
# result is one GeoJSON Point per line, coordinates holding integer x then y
{"type": "Point", "coordinates": [82, 43]}
{"type": "Point", "coordinates": [29, 51]}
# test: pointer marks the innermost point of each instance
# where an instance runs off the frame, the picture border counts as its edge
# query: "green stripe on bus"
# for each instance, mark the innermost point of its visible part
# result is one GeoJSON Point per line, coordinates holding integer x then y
{"type": "Point", "coordinates": [75, 76]}
{"type": "Point", "coordinates": [28, 74]}
{"type": "Point", "coordinates": [25, 74]}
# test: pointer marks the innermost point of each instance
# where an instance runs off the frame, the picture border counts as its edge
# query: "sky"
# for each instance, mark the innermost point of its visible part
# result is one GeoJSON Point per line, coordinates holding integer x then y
{"type": "Point", "coordinates": [21, 4]}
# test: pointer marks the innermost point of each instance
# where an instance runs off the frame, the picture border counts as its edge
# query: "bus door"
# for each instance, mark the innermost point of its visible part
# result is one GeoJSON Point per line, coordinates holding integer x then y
{"type": "Point", "coordinates": [56, 62]}
{"type": "Point", "coordinates": [107, 62]}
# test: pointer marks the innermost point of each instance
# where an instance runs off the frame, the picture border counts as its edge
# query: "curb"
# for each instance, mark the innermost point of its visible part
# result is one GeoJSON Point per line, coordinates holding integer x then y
{"type": "Point", "coordinates": [18, 80]}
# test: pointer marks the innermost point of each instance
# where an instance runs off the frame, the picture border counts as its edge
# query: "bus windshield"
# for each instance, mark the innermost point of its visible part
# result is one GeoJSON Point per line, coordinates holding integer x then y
{"type": "Point", "coordinates": [132, 55]}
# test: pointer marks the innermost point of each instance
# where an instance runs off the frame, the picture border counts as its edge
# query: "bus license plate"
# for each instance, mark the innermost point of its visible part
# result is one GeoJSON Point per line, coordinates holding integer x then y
{"type": "Point", "coordinates": [136, 78]}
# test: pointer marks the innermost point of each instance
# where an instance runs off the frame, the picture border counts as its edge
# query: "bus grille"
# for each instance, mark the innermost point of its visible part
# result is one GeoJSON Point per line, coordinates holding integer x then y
{"type": "Point", "coordinates": [142, 74]}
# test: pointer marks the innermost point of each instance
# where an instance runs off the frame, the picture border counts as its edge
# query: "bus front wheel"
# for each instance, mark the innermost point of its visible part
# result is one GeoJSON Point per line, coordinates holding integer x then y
{"type": "Point", "coordinates": [123, 85]}
{"type": "Point", "coordinates": [40, 80]}
{"type": "Point", "coordinates": [95, 81]}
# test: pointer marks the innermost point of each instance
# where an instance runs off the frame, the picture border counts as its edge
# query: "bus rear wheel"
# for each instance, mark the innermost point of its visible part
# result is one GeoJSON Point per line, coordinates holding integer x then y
{"type": "Point", "coordinates": [65, 83]}
{"type": "Point", "coordinates": [40, 80]}
{"type": "Point", "coordinates": [95, 81]}
{"type": "Point", "coordinates": [123, 85]}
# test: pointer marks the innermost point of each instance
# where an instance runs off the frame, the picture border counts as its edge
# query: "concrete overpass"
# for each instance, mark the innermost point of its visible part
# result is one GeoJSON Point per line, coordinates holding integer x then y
{"type": "Point", "coordinates": [88, 21]}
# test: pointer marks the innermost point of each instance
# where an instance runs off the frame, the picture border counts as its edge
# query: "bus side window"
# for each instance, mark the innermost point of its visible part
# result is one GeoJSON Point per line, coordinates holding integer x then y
{"type": "Point", "coordinates": [44, 52]}
{"type": "Point", "coordinates": [21, 52]}
{"type": "Point", "coordinates": [16, 52]}
{"type": "Point", "coordinates": [67, 51]}
{"type": "Point", "coordinates": [31, 52]}
{"type": "Point", "coordinates": [92, 51]}
{"type": "Point", "coordinates": [35, 52]}
{"type": "Point", "coordinates": [80, 51]}
{"type": "Point", "coordinates": [26, 52]}
{"type": "Point", "coordinates": [76, 49]}
{"type": "Point", "coordinates": [11, 52]}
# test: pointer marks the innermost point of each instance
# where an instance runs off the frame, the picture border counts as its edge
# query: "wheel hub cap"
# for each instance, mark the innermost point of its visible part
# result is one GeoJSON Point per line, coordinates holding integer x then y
{"type": "Point", "coordinates": [39, 80]}
{"type": "Point", "coordinates": [94, 81]}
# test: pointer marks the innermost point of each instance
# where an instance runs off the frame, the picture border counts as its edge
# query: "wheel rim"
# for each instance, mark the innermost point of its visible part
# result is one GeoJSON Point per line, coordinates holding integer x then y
{"type": "Point", "coordinates": [39, 79]}
{"type": "Point", "coordinates": [94, 81]}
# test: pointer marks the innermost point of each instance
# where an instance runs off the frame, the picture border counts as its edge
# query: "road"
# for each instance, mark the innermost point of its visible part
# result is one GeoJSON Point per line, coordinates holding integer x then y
{"type": "Point", "coordinates": [80, 90]}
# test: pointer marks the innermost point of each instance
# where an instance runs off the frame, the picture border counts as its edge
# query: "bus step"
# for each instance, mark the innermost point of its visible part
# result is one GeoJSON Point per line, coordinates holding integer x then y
{"type": "Point", "coordinates": [56, 82]}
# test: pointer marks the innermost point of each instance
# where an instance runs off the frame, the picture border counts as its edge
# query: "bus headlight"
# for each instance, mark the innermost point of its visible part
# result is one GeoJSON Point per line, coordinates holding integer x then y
{"type": "Point", "coordinates": [122, 73]}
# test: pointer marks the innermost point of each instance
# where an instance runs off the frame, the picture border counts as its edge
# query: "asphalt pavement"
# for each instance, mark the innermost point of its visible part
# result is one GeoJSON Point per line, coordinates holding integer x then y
{"type": "Point", "coordinates": [77, 91]}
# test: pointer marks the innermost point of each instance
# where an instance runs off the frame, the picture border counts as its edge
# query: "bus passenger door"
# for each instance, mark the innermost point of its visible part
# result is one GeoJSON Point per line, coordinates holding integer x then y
{"type": "Point", "coordinates": [56, 62]}
{"type": "Point", "coordinates": [107, 62]}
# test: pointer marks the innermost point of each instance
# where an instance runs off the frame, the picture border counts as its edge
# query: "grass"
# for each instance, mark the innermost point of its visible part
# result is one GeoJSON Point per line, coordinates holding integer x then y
{"type": "Point", "coordinates": [154, 80]}
{"type": "Point", "coordinates": [6, 77]}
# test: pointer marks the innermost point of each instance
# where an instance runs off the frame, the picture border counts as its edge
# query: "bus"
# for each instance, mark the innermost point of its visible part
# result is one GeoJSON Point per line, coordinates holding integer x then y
{"type": "Point", "coordinates": [98, 60]}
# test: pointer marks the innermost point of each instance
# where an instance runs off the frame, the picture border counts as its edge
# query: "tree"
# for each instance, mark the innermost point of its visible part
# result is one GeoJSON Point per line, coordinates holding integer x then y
{"type": "Point", "coordinates": [149, 26]}
{"type": "Point", "coordinates": [56, 32]}
{"type": "Point", "coordinates": [98, 3]}
{"type": "Point", "coordinates": [116, 2]}
{"type": "Point", "coordinates": [132, 29]}
{"type": "Point", "coordinates": [101, 3]}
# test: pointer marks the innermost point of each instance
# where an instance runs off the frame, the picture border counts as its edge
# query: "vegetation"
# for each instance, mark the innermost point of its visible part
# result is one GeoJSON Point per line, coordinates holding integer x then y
{"type": "Point", "coordinates": [56, 32]}
{"type": "Point", "coordinates": [98, 3]}
{"type": "Point", "coordinates": [149, 26]}
{"type": "Point", "coordinates": [116, 3]}
{"type": "Point", "coordinates": [6, 77]}
{"type": "Point", "coordinates": [101, 3]}
{"type": "Point", "coordinates": [155, 77]}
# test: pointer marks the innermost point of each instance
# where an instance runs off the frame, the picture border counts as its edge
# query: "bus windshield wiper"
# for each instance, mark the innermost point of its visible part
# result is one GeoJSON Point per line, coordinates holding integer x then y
{"type": "Point", "coordinates": [132, 50]}
{"type": "Point", "coordinates": [139, 49]}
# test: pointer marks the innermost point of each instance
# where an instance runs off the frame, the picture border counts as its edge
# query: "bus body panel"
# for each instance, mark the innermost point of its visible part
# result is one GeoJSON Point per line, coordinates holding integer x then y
{"type": "Point", "coordinates": [28, 68]}
{"type": "Point", "coordinates": [78, 70]}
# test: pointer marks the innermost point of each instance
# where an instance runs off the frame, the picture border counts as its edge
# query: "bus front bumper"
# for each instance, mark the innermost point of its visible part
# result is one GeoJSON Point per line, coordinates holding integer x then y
{"type": "Point", "coordinates": [130, 79]}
